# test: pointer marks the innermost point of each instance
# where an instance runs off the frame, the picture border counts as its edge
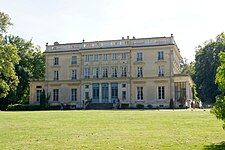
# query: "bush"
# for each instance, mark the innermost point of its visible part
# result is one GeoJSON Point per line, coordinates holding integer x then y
{"type": "Point", "coordinates": [171, 104]}
{"type": "Point", "coordinates": [124, 106]}
{"type": "Point", "coordinates": [140, 106]}
{"type": "Point", "coordinates": [23, 107]}
{"type": "Point", "coordinates": [150, 106]}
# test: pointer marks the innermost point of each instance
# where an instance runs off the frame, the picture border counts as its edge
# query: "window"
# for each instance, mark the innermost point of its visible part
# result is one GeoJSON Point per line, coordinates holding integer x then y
{"type": "Point", "coordinates": [124, 56]}
{"type": "Point", "coordinates": [74, 74]}
{"type": "Point", "coordinates": [105, 92]}
{"type": "Point", "coordinates": [114, 72]}
{"type": "Point", "coordinates": [105, 56]}
{"type": "Point", "coordinates": [124, 72]}
{"type": "Point", "coordinates": [87, 58]}
{"type": "Point", "coordinates": [161, 71]}
{"type": "Point", "coordinates": [74, 60]}
{"type": "Point", "coordinates": [38, 95]}
{"type": "Point", "coordinates": [73, 94]}
{"type": "Point", "coordinates": [56, 75]}
{"type": "Point", "coordinates": [114, 56]}
{"type": "Point", "coordinates": [114, 91]}
{"type": "Point", "coordinates": [96, 57]}
{"type": "Point", "coordinates": [86, 96]}
{"type": "Point", "coordinates": [95, 92]}
{"type": "Point", "coordinates": [139, 72]}
{"type": "Point", "coordinates": [124, 85]}
{"type": "Point", "coordinates": [160, 56]}
{"type": "Point", "coordinates": [161, 92]}
{"type": "Point", "coordinates": [139, 93]}
{"type": "Point", "coordinates": [56, 61]}
{"type": "Point", "coordinates": [86, 86]}
{"type": "Point", "coordinates": [95, 72]}
{"type": "Point", "coordinates": [55, 94]}
{"type": "Point", "coordinates": [105, 72]}
{"type": "Point", "coordinates": [180, 92]}
{"type": "Point", "coordinates": [87, 73]}
{"type": "Point", "coordinates": [124, 95]}
{"type": "Point", "coordinates": [139, 56]}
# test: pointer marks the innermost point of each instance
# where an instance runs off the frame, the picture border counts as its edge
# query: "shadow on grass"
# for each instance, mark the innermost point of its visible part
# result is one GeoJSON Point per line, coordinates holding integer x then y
{"type": "Point", "coordinates": [218, 146]}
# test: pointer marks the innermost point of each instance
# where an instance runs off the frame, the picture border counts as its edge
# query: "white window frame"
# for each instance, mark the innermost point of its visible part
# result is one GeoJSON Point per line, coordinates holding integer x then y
{"type": "Point", "coordinates": [73, 94]}
{"type": "Point", "coordinates": [95, 72]}
{"type": "Point", "coordinates": [140, 93]}
{"type": "Point", "coordinates": [161, 92]}
{"type": "Point", "coordinates": [114, 56]}
{"type": "Point", "coordinates": [139, 56]}
{"type": "Point", "coordinates": [123, 56]}
{"type": "Point", "coordinates": [139, 71]}
{"type": "Point", "coordinates": [73, 74]}
{"type": "Point", "coordinates": [56, 75]}
{"type": "Point", "coordinates": [105, 72]}
{"type": "Point", "coordinates": [74, 60]}
{"type": "Point", "coordinates": [95, 57]}
{"type": "Point", "coordinates": [114, 72]}
{"type": "Point", "coordinates": [123, 71]}
{"type": "Point", "coordinates": [161, 71]}
{"type": "Point", "coordinates": [105, 57]}
{"type": "Point", "coordinates": [56, 61]}
{"type": "Point", "coordinates": [86, 73]}
{"type": "Point", "coordinates": [55, 95]}
{"type": "Point", "coordinates": [87, 58]}
{"type": "Point", "coordinates": [161, 55]}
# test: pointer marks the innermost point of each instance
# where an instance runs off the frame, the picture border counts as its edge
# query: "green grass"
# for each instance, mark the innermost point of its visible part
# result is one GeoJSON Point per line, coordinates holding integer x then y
{"type": "Point", "coordinates": [125, 129]}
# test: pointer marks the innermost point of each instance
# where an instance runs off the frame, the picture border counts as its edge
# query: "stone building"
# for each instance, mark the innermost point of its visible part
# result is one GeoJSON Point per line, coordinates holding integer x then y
{"type": "Point", "coordinates": [129, 70]}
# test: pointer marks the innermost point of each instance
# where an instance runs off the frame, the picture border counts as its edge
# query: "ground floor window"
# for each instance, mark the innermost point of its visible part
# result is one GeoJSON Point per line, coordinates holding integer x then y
{"type": "Point", "coordinates": [114, 91]}
{"type": "Point", "coordinates": [124, 95]}
{"type": "Point", "coordinates": [161, 92]}
{"type": "Point", "coordinates": [38, 95]}
{"type": "Point", "coordinates": [105, 92]}
{"type": "Point", "coordinates": [139, 93]}
{"type": "Point", "coordinates": [73, 94]}
{"type": "Point", "coordinates": [55, 94]}
{"type": "Point", "coordinates": [180, 92]}
{"type": "Point", "coordinates": [95, 92]}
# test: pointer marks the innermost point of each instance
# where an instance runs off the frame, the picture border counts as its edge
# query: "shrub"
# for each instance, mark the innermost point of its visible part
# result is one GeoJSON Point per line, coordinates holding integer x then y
{"type": "Point", "coordinates": [124, 106]}
{"type": "Point", "coordinates": [23, 107]}
{"type": "Point", "coordinates": [150, 106]}
{"type": "Point", "coordinates": [140, 106]}
{"type": "Point", "coordinates": [171, 104]}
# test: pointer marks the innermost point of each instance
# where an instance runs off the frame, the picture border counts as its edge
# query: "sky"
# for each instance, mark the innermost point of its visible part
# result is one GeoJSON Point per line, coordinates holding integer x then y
{"type": "Point", "coordinates": [192, 22]}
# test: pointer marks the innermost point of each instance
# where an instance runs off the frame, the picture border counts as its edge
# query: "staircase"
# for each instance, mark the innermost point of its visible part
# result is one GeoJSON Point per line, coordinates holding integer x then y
{"type": "Point", "coordinates": [99, 106]}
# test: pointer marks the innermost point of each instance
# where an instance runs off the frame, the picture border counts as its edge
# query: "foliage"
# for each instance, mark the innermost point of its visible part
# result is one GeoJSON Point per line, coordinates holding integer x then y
{"type": "Point", "coordinates": [171, 104]}
{"type": "Point", "coordinates": [219, 106]}
{"type": "Point", "coordinates": [206, 63]}
{"type": "Point", "coordinates": [140, 106]}
{"type": "Point", "coordinates": [23, 107]}
{"type": "Point", "coordinates": [124, 106]}
{"type": "Point", "coordinates": [44, 100]}
{"type": "Point", "coordinates": [150, 106]}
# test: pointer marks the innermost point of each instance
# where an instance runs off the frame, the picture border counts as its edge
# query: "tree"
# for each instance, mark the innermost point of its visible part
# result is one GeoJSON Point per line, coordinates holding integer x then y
{"type": "Point", "coordinates": [206, 63]}
{"type": "Point", "coordinates": [219, 106]}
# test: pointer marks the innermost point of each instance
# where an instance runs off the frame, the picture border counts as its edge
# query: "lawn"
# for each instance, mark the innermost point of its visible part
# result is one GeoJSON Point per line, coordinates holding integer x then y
{"type": "Point", "coordinates": [111, 129]}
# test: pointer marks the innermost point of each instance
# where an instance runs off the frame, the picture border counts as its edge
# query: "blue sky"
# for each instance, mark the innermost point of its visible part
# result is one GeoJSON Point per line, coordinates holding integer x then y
{"type": "Point", "coordinates": [191, 21]}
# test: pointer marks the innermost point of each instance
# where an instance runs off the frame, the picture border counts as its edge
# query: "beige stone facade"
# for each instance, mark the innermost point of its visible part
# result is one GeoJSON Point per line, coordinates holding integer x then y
{"type": "Point", "coordinates": [134, 71]}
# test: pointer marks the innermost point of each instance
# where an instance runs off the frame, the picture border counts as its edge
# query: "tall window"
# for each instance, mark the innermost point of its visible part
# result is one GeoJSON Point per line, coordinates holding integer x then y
{"type": "Point", "coordinates": [87, 58]}
{"type": "Point", "coordinates": [114, 72]}
{"type": "Point", "coordinates": [124, 95]}
{"type": "Point", "coordinates": [74, 74]}
{"type": "Point", "coordinates": [73, 94]}
{"type": "Point", "coordinates": [95, 92]}
{"type": "Point", "coordinates": [139, 56]}
{"type": "Point", "coordinates": [114, 56]}
{"type": "Point", "coordinates": [105, 72]}
{"type": "Point", "coordinates": [56, 75]}
{"type": "Point", "coordinates": [139, 72]}
{"type": "Point", "coordinates": [114, 91]}
{"type": "Point", "coordinates": [139, 93]}
{"type": "Point", "coordinates": [160, 55]}
{"type": "Point", "coordinates": [74, 60]}
{"type": "Point", "coordinates": [38, 95]}
{"type": "Point", "coordinates": [56, 60]}
{"type": "Point", "coordinates": [95, 73]}
{"type": "Point", "coordinates": [55, 94]}
{"type": "Point", "coordinates": [161, 71]}
{"type": "Point", "coordinates": [180, 92]}
{"type": "Point", "coordinates": [96, 57]}
{"type": "Point", "coordinates": [87, 73]}
{"type": "Point", "coordinates": [105, 92]}
{"type": "Point", "coordinates": [105, 56]}
{"type": "Point", "coordinates": [124, 56]}
{"type": "Point", "coordinates": [161, 92]}
{"type": "Point", "coordinates": [86, 96]}
{"type": "Point", "coordinates": [124, 72]}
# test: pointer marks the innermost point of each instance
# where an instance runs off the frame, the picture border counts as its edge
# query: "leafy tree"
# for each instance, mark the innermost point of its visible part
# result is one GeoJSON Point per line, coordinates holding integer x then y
{"type": "Point", "coordinates": [206, 63]}
{"type": "Point", "coordinates": [44, 99]}
{"type": "Point", "coordinates": [219, 106]}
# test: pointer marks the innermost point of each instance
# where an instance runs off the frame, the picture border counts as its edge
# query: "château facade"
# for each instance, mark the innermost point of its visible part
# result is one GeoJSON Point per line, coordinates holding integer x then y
{"type": "Point", "coordinates": [132, 71]}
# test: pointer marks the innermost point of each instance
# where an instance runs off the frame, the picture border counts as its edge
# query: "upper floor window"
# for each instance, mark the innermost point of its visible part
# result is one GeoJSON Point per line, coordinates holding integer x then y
{"type": "Point", "coordinates": [139, 72]}
{"type": "Point", "coordinates": [56, 75]}
{"type": "Point", "coordinates": [139, 93]}
{"type": "Point", "coordinates": [74, 60]}
{"type": "Point", "coordinates": [56, 60]}
{"type": "Point", "coordinates": [124, 56]}
{"type": "Point", "coordinates": [139, 56]}
{"type": "Point", "coordinates": [161, 71]}
{"type": "Point", "coordinates": [160, 55]}
{"type": "Point", "coordinates": [124, 72]}
{"type": "Point", "coordinates": [114, 72]}
{"type": "Point", "coordinates": [161, 92]}
{"type": "Point", "coordinates": [87, 73]}
{"type": "Point", "coordinates": [87, 58]}
{"type": "Point", "coordinates": [105, 72]}
{"type": "Point", "coordinates": [73, 94]}
{"type": "Point", "coordinates": [96, 57]}
{"type": "Point", "coordinates": [74, 74]}
{"type": "Point", "coordinates": [114, 56]}
{"type": "Point", "coordinates": [55, 94]}
{"type": "Point", "coordinates": [95, 73]}
{"type": "Point", "coordinates": [105, 56]}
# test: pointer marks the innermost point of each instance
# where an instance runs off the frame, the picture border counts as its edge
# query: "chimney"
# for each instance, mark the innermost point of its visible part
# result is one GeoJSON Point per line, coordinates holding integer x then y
{"type": "Point", "coordinates": [172, 35]}
{"type": "Point", "coordinates": [122, 38]}
{"type": "Point", "coordinates": [133, 37]}
{"type": "Point", "coordinates": [128, 37]}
